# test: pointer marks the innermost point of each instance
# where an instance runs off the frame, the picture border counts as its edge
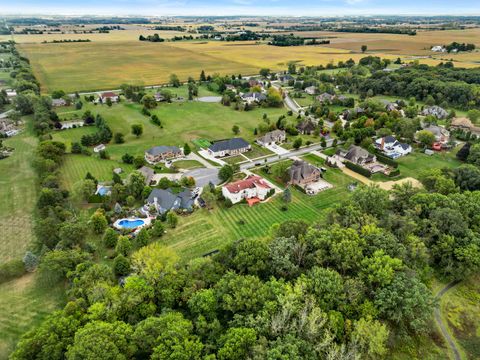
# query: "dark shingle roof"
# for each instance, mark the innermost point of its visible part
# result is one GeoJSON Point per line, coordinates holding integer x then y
{"type": "Point", "coordinates": [167, 200]}
{"type": "Point", "coordinates": [301, 170]}
{"type": "Point", "coordinates": [157, 150]}
{"type": "Point", "coordinates": [230, 144]}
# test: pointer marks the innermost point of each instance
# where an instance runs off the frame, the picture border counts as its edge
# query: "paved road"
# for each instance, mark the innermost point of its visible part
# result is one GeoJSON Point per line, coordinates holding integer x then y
{"type": "Point", "coordinates": [293, 153]}
{"type": "Point", "coordinates": [442, 325]}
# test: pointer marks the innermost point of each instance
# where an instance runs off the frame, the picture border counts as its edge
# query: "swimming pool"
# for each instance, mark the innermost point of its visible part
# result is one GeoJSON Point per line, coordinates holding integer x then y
{"type": "Point", "coordinates": [103, 191]}
{"type": "Point", "coordinates": [131, 224]}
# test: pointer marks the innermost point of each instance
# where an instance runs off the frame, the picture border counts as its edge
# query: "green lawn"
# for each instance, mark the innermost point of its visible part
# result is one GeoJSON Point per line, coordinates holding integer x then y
{"type": "Point", "coordinates": [188, 164]}
{"type": "Point", "coordinates": [18, 194]}
{"type": "Point", "coordinates": [182, 122]}
{"type": "Point", "coordinates": [257, 151]}
{"type": "Point", "coordinates": [204, 231]}
{"type": "Point", "coordinates": [24, 304]}
{"type": "Point", "coordinates": [413, 164]}
{"type": "Point", "coordinates": [75, 167]}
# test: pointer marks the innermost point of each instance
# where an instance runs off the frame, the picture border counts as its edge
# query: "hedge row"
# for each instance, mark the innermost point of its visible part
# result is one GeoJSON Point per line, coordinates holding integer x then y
{"type": "Point", "coordinates": [394, 173]}
{"type": "Point", "coordinates": [386, 160]}
{"type": "Point", "coordinates": [358, 169]}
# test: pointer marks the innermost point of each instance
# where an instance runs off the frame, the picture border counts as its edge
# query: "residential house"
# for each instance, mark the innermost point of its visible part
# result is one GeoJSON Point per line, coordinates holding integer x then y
{"type": "Point", "coordinates": [389, 106]}
{"type": "Point", "coordinates": [99, 148]}
{"type": "Point", "coordinates": [302, 173]}
{"type": "Point", "coordinates": [162, 153]}
{"type": "Point", "coordinates": [272, 137]}
{"type": "Point", "coordinates": [159, 97]}
{"type": "Point", "coordinates": [229, 147]}
{"type": "Point", "coordinates": [442, 135]}
{"type": "Point", "coordinates": [306, 127]}
{"type": "Point", "coordinates": [108, 95]}
{"type": "Point", "coordinates": [252, 188]}
{"type": "Point", "coordinates": [465, 125]}
{"type": "Point", "coordinates": [357, 155]}
{"type": "Point", "coordinates": [437, 111]}
{"type": "Point", "coordinates": [438, 48]}
{"type": "Point", "coordinates": [166, 200]}
{"type": "Point", "coordinates": [353, 113]}
{"type": "Point", "coordinates": [253, 97]}
{"type": "Point", "coordinates": [231, 88]}
{"type": "Point", "coordinates": [311, 90]}
{"type": "Point", "coordinates": [284, 78]}
{"type": "Point", "coordinates": [325, 98]}
{"type": "Point", "coordinates": [391, 147]}
{"type": "Point", "coordinates": [11, 93]}
{"type": "Point", "coordinates": [59, 102]}
{"type": "Point", "coordinates": [147, 174]}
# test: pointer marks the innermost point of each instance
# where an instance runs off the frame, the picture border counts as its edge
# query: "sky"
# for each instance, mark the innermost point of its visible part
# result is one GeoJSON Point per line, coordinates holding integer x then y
{"type": "Point", "coordinates": [241, 7]}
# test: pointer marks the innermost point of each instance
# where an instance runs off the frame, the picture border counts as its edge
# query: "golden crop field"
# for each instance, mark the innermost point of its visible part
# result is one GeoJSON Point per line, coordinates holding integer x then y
{"type": "Point", "coordinates": [118, 57]}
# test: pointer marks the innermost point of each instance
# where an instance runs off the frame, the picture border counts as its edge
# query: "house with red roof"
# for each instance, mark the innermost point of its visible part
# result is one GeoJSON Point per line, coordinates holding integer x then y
{"type": "Point", "coordinates": [108, 95]}
{"type": "Point", "coordinates": [253, 189]}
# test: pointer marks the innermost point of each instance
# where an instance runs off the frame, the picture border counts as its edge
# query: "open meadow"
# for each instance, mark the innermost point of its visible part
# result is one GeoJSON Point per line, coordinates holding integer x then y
{"type": "Point", "coordinates": [116, 58]}
{"type": "Point", "coordinates": [18, 191]}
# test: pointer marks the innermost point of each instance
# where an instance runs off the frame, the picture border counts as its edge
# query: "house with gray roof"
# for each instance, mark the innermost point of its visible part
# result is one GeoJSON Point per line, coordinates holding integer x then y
{"type": "Point", "coordinates": [357, 155]}
{"type": "Point", "coordinates": [229, 147]}
{"type": "Point", "coordinates": [306, 127]}
{"type": "Point", "coordinates": [162, 153]}
{"type": "Point", "coordinates": [325, 98]}
{"type": "Point", "coordinates": [302, 173]}
{"type": "Point", "coordinates": [253, 97]}
{"type": "Point", "coordinates": [272, 137]}
{"type": "Point", "coordinates": [437, 111]}
{"type": "Point", "coordinates": [166, 200]}
{"type": "Point", "coordinates": [59, 102]}
{"type": "Point", "coordinates": [147, 174]}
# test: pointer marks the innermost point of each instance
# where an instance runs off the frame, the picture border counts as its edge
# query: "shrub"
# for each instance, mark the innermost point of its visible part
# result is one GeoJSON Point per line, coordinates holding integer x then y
{"type": "Point", "coordinates": [11, 270]}
{"type": "Point", "coordinates": [121, 265]}
{"type": "Point", "coordinates": [386, 160]}
{"type": "Point", "coordinates": [394, 173]}
{"type": "Point", "coordinates": [358, 169]}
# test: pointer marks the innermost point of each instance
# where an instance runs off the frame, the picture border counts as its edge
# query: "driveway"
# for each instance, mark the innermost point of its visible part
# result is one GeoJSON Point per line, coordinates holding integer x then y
{"type": "Point", "coordinates": [277, 149]}
{"type": "Point", "coordinates": [209, 99]}
{"type": "Point", "coordinates": [201, 160]}
{"type": "Point", "coordinates": [204, 176]}
{"type": "Point", "coordinates": [206, 155]}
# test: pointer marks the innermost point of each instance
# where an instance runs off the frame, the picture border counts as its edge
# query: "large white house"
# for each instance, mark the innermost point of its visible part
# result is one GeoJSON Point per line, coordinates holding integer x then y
{"type": "Point", "coordinates": [253, 188]}
{"type": "Point", "coordinates": [392, 147]}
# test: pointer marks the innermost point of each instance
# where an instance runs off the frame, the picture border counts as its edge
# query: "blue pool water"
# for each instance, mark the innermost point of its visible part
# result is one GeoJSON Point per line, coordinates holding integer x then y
{"type": "Point", "coordinates": [131, 224]}
{"type": "Point", "coordinates": [103, 191]}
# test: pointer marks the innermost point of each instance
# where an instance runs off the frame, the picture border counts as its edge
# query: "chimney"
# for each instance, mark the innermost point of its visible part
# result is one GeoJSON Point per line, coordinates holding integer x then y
{"type": "Point", "coordinates": [383, 143]}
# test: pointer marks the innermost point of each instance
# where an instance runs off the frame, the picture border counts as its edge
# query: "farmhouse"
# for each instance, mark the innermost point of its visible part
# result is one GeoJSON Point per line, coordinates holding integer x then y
{"type": "Point", "coordinates": [147, 174]}
{"type": "Point", "coordinates": [465, 125]}
{"type": "Point", "coordinates": [437, 111]}
{"type": "Point", "coordinates": [59, 102]}
{"type": "Point", "coordinates": [252, 188]}
{"type": "Point", "coordinates": [438, 48]}
{"type": "Point", "coordinates": [253, 97]}
{"type": "Point", "coordinates": [392, 147]}
{"type": "Point", "coordinates": [357, 155]}
{"type": "Point", "coordinates": [229, 147]}
{"type": "Point", "coordinates": [302, 173]}
{"type": "Point", "coordinates": [306, 127]}
{"type": "Point", "coordinates": [166, 200]}
{"type": "Point", "coordinates": [311, 90]}
{"type": "Point", "coordinates": [162, 153]}
{"type": "Point", "coordinates": [108, 95]}
{"type": "Point", "coordinates": [272, 137]}
{"type": "Point", "coordinates": [159, 97]}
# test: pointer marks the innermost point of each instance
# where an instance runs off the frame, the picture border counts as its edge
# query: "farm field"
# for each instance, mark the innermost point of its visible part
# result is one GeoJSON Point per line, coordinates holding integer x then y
{"type": "Point", "coordinates": [182, 122]}
{"type": "Point", "coordinates": [18, 192]}
{"type": "Point", "coordinates": [25, 303]}
{"type": "Point", "coordinates": [124, 59]}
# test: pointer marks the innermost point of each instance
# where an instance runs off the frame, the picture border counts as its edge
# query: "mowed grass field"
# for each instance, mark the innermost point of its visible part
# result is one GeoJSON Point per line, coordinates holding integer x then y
{"type": "Point", "coordinates": [182, 122]}
{"type": "Point", "coordinates": [205, 231]}
{"type": "Point", "coordinates": [18, 195]}
{"type": "Point", "coordinates": [116, 58]}
{"type": "Point", "coordinates": [24, 304]}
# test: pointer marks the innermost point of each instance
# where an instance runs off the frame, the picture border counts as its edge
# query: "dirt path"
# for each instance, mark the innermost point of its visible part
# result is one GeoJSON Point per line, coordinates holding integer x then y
{"type": "Point", "coordinates": [442, 325]}
{"type": "Point", "coordinates": [385, 185]}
